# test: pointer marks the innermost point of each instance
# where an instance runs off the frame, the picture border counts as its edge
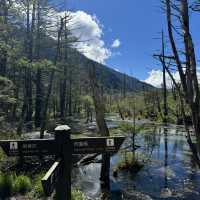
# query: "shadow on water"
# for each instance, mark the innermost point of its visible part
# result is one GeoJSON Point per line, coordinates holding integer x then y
{"type": "Point", "coordinates": [170, 172]}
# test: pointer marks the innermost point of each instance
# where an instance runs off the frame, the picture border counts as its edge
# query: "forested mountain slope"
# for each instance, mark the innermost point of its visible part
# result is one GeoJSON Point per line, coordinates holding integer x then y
{"type": "Point", "coordinates": [110, 79]}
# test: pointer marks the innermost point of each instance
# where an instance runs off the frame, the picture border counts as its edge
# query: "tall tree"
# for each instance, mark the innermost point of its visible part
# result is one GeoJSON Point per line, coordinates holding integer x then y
{"type": "Point", "coordinates": [186, 69]}
{"type": "Point", "coordinates": [41, 14]}
{"type": "Point", "coordinates": [4, 7]}
{"type": "Point", "coordinates": [101, 123]}
{"type": "Point", "coordinates": [164, 81]}
{"type": "Point", "coordinates": [51, 78]}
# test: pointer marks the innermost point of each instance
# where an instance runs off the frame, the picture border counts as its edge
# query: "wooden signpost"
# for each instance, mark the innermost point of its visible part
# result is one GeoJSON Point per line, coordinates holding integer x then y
{"type": "Point", "coordinates": [63, 147]}
{"type": "Point", "coordinates": [28, 147]}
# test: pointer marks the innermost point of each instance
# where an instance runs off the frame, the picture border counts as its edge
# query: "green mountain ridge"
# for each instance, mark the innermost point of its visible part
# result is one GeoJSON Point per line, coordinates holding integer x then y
{"type": "Point", "coordinates": [108, 77]}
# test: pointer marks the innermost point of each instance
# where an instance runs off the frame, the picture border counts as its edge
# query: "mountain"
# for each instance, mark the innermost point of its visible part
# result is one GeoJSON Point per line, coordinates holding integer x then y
{"type": "Point", "coordinates": [109, 78]}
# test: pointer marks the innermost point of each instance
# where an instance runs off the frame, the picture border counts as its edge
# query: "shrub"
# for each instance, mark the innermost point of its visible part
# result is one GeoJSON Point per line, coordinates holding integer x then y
{"type": "Point", "coordinates": [129, 163]}
{"type": "Point", "coordinates": [6, 185]}
{"type": "Point", "coordinates": [22, 184]}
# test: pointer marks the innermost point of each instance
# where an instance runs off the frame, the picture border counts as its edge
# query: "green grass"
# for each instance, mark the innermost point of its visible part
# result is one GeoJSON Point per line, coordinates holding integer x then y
{"type": "Point", "coordinates": [37, 188]}
{"type": "Point", "coordinates": [11, 184]}
{"type": "Point", "coordinates": [129, 128]}
{"type": "Point", "coordinates": [129, 163]}
{"type": "Point", "coordinates": [2, 154]}
{"type": "Point", "coordinates": [6, 185]}
{"type": "Point", "coordinates": [78, 195]}
{"type": "Point", "coordinates": [22, 184]}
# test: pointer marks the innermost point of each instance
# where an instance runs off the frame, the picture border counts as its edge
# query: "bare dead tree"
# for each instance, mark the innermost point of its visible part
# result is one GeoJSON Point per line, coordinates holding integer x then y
{"type": "Point", "coordinates": [164, 81]}
{"type": "Point", "coordinates": [189, 90]}
{"type": "Point", "coordinates": [196, 6]}
{"type": "Point", "coordinates": [101, 123]}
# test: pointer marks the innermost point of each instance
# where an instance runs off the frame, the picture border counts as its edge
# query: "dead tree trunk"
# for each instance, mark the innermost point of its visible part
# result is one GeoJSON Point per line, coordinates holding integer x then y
{"type": "Point", "coordinates": [188, 78]}
{"type": "Point", "coordinates": [101, 123]}
{"type": "Point", "coordinates": [164, 82]}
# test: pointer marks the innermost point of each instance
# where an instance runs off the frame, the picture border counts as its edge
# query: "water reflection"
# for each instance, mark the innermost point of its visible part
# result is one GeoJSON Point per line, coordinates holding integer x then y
{"type": "Point", "coordinates": [166, 157]}
{"type": "Point", "coordinates": [170, 173]}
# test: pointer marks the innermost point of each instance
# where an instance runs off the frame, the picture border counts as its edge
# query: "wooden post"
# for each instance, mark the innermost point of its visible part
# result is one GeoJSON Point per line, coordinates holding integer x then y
{"type": "Point", "coordinates": [63, 186]}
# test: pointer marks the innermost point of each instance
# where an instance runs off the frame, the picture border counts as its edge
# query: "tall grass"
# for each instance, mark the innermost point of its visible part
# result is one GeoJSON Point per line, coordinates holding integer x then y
{"type": "Point", "coordinates": [11, 184]}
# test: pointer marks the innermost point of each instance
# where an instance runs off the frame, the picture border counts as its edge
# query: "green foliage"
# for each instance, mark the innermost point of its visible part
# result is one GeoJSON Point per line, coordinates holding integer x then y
{"type": "Point", "coordinates": [87, 100]}
{"type": "Point", "coordinates": [5, 84]}
{"type": "Point", "coordinates": [128, 162]}
{"type": "Point", "coordinates": [11, 184]}
{"type": "Point", "coordinates": [43, 64]}
{"type": "Point", "coordinates": [38, 190]}
{"type": "Point", "coordinates": [132, 104]}
{"type": "Point", "coordinates": [3, 48]}
{"type": "Point", "coordinates": [78, 195]}
{"type": "Point", "coordinates": [88, 104]}
{"type": "Point", "coordinates": [6, 185]}
{"type": "Point", "coordinates": [117, 131]}
{"type": "Point", "coordinates": [22, 184]}
{"type": "Point", "coordinates": [129, 128]}
{"type": "Point", "coordinates": [22, 62]}
{"type": "Point", "coordinates": [2, 154]}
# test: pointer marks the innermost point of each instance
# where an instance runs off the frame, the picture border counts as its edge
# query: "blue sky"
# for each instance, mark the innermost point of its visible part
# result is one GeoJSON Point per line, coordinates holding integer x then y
{"type": "Point", "coordinates": [135, 24]}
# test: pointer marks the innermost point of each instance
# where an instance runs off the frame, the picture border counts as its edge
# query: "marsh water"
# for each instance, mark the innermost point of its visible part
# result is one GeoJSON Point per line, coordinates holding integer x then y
{"type": "Point", "coordinates": [169, 171]}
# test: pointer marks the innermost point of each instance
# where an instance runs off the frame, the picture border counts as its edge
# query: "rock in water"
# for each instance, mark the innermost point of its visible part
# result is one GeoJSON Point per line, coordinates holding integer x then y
{"type": "Point", "coordinates": [165, 193]}
{"type": "Point", "coordinates": [129, 195]}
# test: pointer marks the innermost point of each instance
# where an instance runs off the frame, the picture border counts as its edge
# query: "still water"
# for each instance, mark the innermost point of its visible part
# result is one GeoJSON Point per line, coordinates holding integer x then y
{"type": "Point", "coordinates": [169, 171]}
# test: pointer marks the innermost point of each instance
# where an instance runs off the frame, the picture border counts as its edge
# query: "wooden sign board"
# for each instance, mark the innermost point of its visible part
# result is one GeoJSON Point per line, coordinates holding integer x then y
{"type": "Point", "coordinates": [29, 147]}
{"type": "Point", "coordinates": [51, 177]}
{"type": "Point", "coordinates": [96, 145]}
{"type": "Point", "coordinates": [63, 147]}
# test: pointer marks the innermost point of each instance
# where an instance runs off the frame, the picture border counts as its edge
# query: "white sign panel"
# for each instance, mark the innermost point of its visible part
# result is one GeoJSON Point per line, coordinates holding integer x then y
{"type": "Point", "coordinates": [13, 146]}
{"type": "Point", "coordinates": [110, 142]}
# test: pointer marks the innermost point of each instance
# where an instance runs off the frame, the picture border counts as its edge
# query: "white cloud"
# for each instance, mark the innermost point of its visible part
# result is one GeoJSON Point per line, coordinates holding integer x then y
{"type": "Point", "coordinates": [89, 32]}
{"type": "Point", "coordinates": [83, 26]}
{"type": "Point", "coordinates": [155, 78]}
{"type": "Point", "coordinates": [116, 43]}
{"type": "Point", "coordinates": [116, 69]}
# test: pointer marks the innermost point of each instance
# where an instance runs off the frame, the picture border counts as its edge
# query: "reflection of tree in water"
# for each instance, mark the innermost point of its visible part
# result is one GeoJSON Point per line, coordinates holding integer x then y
{"type": "Point", "coordinates": [174, 150]}
{"type": "Point", "coordinates": [175, 146]}
{"type": "Point", "coordinates": [158, 141]}
{"type": "Point", "coordinates": [166, 157]}
{"type": "Point", "coordinates": [150, 141]}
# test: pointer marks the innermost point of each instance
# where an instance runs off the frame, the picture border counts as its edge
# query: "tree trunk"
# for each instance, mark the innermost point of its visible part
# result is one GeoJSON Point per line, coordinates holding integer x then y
{"type": "Point", "coordinates": [164, 82]}
{"type": "Point", "coordinates": [3, 53]}
{"type": "Point", "coordinates": [28, 74]}
{"type": "Point", "coordinates": [189, 79]}
{"type": "Point", "coordinates": [70, 92]}
{"type": "Point", "coordinates": [102, 127]}
{"type": "Point", "coordinates": [39, 85]}
{"type": "Point", "coordinates": [39, 98]}
{"type": "Point", "coordinates": [51, 78]}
